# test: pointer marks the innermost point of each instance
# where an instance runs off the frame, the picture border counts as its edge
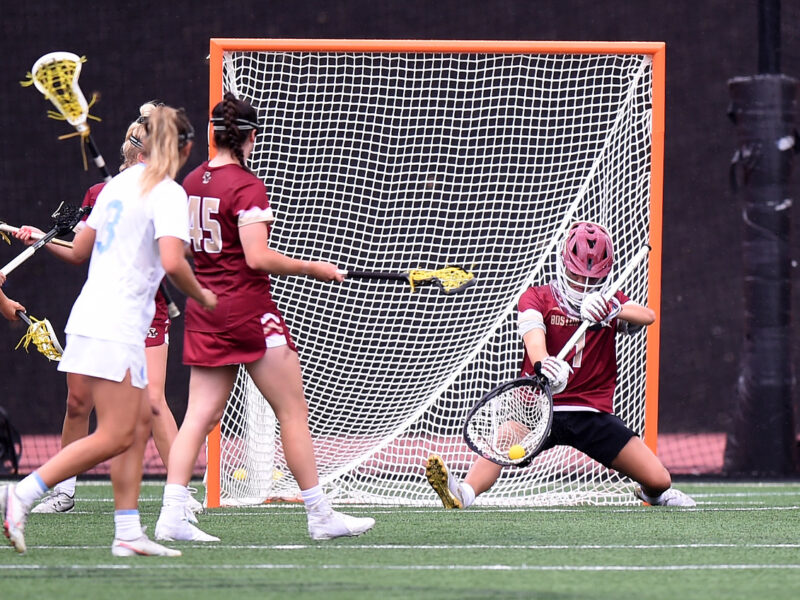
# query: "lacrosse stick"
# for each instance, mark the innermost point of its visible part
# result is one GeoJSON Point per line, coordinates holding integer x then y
{"type": "Point", "coordinates": [55, 75]}
{"type": "Point", "coordinates": [42, 335]}
{"type": "Point", "coordinates": [6, 228]}
{"type": "Point", "coordinates": [510, 424]}
{"type": "Point", "coordinates": [450, 280]}
{"type": "Point", "coordinates": [66, 217]}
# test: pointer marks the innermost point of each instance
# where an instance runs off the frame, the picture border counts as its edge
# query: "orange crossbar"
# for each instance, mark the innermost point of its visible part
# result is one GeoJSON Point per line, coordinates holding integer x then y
{"type": "Point", "coordinates": [655, 49]}
{"type": "Point", "coordinates": [475, 46]}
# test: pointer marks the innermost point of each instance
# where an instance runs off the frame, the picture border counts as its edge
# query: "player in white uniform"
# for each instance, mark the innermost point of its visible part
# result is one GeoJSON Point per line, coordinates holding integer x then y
{"type": "Point", "coordinates": [79, 409]}
{"type": "Point", "coordinates": [136, 233]}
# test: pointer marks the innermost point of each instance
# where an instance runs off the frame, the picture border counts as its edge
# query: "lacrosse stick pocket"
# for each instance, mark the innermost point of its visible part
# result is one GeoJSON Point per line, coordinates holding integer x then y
{"type": "Point", "coordinates": [42, 335]}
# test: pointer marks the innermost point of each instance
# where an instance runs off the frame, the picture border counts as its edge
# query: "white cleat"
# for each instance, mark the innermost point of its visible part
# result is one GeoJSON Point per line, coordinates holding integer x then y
{"type": "Point", "coordinates": [443, 483]}
{"type": "Point", "coordinates": [170, 530]}
{"type": "Point", "coordinates": [193, 504]}
{"type": "Point", "coordinates": [142, 546]}
{"type": "Point", "coordinates": [670, 497]}
{"type": "Point", "coordinates": [331, 524]}
{"type": "Point", "coordinates": [14, 517]}
{"type": "Point", "coordinates": [55, 502]}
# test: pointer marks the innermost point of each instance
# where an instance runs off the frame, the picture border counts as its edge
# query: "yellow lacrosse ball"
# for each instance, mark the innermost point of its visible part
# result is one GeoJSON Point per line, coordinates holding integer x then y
{"type": "Point", "coordinates": [516, 452]}
{"type": "Point", "coordinates": [240, 474]}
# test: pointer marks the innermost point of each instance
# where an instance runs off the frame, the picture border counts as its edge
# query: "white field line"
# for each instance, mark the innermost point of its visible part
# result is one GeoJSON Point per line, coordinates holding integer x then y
{"type": "Point", "coordinates": [416, 547]}
{"type": "Point", "coordinates": [171, 566]}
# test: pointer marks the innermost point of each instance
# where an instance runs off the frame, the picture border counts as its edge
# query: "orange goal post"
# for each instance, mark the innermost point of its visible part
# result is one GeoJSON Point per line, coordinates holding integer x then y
{"type": "Point", "coordinates": [389, 155]}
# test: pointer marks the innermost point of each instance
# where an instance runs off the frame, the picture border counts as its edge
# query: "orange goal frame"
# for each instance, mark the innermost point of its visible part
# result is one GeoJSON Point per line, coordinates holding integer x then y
{"type": "Point", "coordinates": [657, 50]}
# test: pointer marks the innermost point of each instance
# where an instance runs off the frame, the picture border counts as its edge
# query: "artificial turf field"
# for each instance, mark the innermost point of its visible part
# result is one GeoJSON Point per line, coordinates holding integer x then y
{"type": "Point", "coordinates": [742, 541]}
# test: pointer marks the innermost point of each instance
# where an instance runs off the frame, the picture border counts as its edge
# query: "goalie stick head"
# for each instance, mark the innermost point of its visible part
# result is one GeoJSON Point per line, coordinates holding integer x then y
{"type": "Point", "coordinates": [584, 262]}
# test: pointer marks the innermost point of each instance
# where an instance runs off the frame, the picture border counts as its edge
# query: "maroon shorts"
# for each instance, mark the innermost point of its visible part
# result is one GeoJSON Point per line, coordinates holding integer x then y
{"type": "Point", "coordinates": [241, 344]}
{"type": "Point", "coordinates": [158, 333]}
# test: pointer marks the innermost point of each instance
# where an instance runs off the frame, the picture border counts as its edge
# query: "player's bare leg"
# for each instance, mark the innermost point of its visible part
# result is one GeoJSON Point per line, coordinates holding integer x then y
{"type": "Point", "coordinates": [482, 475]}
{"type": "Point", "coordinates": [79, 408]}
{"type": "Point", "coordinates": [209, 389]}
{"type": "Point", "coordinates": [639, 463]}
{"type": "Point", "coordinates": [117, 406]}
{"type": "Point", "coordinates": [278, 377]}
{"type": "Point", "coordinates": [165, 429]}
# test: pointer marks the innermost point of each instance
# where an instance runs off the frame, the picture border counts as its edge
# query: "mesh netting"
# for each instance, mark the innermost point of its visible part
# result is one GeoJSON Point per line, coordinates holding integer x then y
{"type": "Point", "coordinates": [396, 161]}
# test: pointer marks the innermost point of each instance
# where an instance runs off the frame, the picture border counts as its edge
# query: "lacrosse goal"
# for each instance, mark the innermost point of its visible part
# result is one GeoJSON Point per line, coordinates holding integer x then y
{"type": "Point", "coordinates": [391, 155]}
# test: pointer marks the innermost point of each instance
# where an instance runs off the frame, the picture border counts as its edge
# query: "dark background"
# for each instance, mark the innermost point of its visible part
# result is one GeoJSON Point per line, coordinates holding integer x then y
{"type": "Point", "coordinates": [147, 49]}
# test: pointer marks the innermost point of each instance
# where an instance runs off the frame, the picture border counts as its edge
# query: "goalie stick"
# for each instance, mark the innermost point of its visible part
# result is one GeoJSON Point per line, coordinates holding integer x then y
{"type": "Point", "coordinates": [510, 424]}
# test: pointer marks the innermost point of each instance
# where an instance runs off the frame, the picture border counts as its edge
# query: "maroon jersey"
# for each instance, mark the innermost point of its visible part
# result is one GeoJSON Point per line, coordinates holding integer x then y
{"type": "Point", "coordinates": [220, 199]}
{"type": "Point", "coordinates": [593, 359]}
{"type": "Point", "coordinates": [91, 196]}
{"type": "Point", "coordinates": [161, 316]}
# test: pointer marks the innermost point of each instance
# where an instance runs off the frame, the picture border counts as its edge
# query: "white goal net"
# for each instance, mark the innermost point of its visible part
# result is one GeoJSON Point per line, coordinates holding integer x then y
{"type": "Point", "coordinates": [394, 160]}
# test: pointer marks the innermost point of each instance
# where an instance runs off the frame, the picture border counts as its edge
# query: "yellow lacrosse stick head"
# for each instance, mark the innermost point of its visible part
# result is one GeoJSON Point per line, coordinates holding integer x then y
{"type": "Point", "coordinates": [55, 75]}
{"type": "Point", "coordinates": [450, 280]}
{"type": "Point", "coordinates": [42, 335]}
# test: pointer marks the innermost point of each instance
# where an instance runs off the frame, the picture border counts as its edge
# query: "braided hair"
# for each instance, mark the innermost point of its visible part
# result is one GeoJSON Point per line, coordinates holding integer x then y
{"type": "Point", "coordinates": [232, 120]}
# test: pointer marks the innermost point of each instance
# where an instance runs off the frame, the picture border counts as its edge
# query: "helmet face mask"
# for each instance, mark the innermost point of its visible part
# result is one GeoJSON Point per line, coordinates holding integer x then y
{"type": "Point", "coordinates": [584, 263]}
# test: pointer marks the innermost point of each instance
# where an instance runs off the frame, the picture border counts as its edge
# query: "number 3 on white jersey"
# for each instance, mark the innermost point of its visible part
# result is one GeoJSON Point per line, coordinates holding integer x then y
{"type": "Point", "coordinates": [201, 220]}
{"type": "Point", "coordinates": [108, 230]}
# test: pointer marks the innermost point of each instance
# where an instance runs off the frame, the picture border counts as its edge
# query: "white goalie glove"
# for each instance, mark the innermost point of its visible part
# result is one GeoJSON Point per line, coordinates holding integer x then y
{"type": "Point", "coordinates": [597, 309]}
{"type": "Point", "coordinates": [557, 372]}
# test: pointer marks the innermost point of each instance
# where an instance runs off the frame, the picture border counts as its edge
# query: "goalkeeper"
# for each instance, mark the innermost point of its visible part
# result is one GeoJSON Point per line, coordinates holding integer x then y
{"type": "Point", "coordinates": [583, 388]}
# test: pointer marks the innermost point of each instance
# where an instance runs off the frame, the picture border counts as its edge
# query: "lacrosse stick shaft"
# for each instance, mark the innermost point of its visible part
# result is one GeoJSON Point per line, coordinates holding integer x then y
{"type": "Point", "coordinates": [612, 289]}
{"type": "Point", "coordinates": [374, 275]}
{"type": "Point", "coordinates": [60, 228]}
{"type": "Point", "coordinates": [20, 258]}
{"type": "Point", "coordinates": [36, 236]}
{"type": "Point", "coordinates": [24, 317]}
{"type": "Point", "coordinates": [172, 308]}
{"type": "Point", "coordinates": [98, 158]}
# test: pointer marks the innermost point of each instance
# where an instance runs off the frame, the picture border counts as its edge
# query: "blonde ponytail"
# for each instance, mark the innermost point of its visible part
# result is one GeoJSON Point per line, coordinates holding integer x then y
{"type": "Point", "coordinates": [168, 130]}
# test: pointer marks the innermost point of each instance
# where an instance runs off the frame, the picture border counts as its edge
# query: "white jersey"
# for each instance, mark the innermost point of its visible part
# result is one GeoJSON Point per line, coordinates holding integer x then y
{"type": "Point", "coordinates": [116, 302]}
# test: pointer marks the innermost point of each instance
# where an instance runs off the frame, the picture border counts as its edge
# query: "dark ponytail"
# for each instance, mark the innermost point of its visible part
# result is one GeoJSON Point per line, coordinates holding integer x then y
{"type": "Point", "coordinates": [232, 120]}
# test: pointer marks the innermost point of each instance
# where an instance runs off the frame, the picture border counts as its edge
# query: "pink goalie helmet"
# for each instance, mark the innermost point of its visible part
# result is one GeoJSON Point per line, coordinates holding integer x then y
{"type": "Point", "coordinates": [584, 262]}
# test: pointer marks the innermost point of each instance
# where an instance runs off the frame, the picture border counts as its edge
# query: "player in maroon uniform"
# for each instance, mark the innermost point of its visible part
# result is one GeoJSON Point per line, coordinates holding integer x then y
{"type": "Point", "coordinates": [79, 407]}
{"type": "Point", "coordinates": [583, 384]}
{"type": "Point", "coordinates": [229, 226]}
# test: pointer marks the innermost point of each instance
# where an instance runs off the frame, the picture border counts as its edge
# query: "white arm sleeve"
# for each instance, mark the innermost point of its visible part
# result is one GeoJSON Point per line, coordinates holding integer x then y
{"type": "Point", "coordinates": [529, 320]}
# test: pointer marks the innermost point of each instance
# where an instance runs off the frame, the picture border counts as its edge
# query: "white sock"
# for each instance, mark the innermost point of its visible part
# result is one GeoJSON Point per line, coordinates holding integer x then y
{"type": "Point", "coordinates": [654, 500]}
{"type": "Point", "coordinates": [67, 486]}
{"type": "Point", "coordinates": [30, 489]}
{"type": "Point", "coordinates": [467, 495]}
{"type": "Point", "coordinates": [175, 494]}
{"type": "Point", "coordinates": [314, 499]}
{"type": "Point", "coordinates": [127, 525]}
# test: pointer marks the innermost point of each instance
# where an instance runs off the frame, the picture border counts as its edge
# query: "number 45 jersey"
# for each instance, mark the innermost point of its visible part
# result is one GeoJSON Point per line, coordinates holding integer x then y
{"type": "Point", "coordinates": [222, 199]}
